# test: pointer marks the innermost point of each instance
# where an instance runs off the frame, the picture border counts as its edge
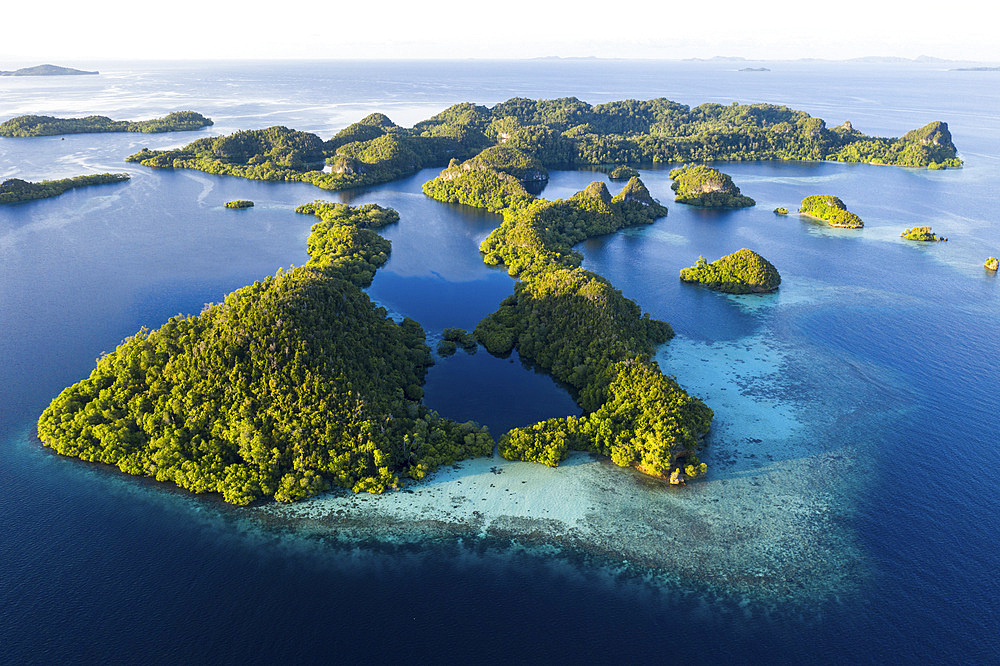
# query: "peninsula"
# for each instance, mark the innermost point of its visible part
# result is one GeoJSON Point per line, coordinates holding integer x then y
{"type": "Point", "coordinates": [47, 70]}
{"type": "Point", "coordinates": [179, 121]}
{"type": "Point", "coordinates": [15, 190]}
{"type": "Point", "coordinates": [831, 210]}
{"type": "Point", "coordinates": [742, 272]}
{"type": "Point", "coordinates": [704, 186]}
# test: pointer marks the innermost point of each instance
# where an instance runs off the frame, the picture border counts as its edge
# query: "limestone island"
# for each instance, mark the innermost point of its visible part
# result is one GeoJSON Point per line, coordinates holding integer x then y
{"type": "Point", "coordinates": [921, 234]}
{"type": "Point", "coordinates": [179, 121]}
{"type": "Point", "coordinates": [991, 264]}
{"type": "Point", "coordinates": [623, 172]}
{"type": "Point", "coordinates": [239, 204]}
{"type": "Point", "coordinates": [704, 186]}
{"type": "Point", "coordinates": [15, 190]}
{"type": "Point", "coordinates": [831, 210]}
{"type": "Point", "coordinates": [47, 70]}
{"type": "Point", "coordinates": [781, 211]}
{"type": "Point", "coordinates": [742, 272]}
{"type": "Point", "coordinates": [562, 133]}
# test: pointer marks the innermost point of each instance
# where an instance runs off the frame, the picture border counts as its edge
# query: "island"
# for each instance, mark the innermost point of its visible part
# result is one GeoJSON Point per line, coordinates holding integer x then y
{"type": "Point", "coordinates": [47, 70]}
{"type": "Point", "coordinates": [562, 133]}
{"type": "Point", "coordinates": [831, 210]}
{"type": "Point", "coordinates": [623, 172]}
{"type": "Point", "coordinates": [921, 234]}
{"type": "Point", "coordinates": [288, 387]}
{"type": "Point", "coordinates": [753, 69]}
{"type": "Point", "coordinates": [704, 186]}
{"type": "Point", "coordinates": [781, 211]}
{"type": "Point", "coordinates": [15, 190]}
{"type": "Point", "coordinates": [455, 337]}
{"type": "Point", "coordinates": [742, 272]}
{"type": "Point", "coordinates": [975, 69]}
{"type": "Point", "coordinates": [239, 204]}
{"type": "Point", "coordinates": [991, 264]}
{"type": "Point", "coordinates": [179, 121]}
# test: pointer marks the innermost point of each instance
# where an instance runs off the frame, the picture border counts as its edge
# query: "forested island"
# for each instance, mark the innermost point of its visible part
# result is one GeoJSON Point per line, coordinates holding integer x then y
{"type": "Point", "coordinates": [742, 272]}
{"type": "Point", "coordinates": [179, 121]}
{"type": "Point", "coordinates": [701, 185]}
{"type": "Point", "coordinates": [921, 234]}
{"type": "Point", "coordinates": [287, 387]}
{"type": "Point", "coordinates": [560, 133]}
{"type": "Point", "coordinates": [239, 204]}
{"type": "Point", "coordinates": [47, 70]}
{"type": "Point", "coordinates": [831, 210]}
{"type": "Point", "coordinates": [992, 264]}
{"type": "Point", "coordinates": [15, 190]}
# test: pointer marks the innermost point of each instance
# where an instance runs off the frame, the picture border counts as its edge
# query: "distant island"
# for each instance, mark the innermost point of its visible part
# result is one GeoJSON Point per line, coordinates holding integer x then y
{"type": "Point", "coordinates": [239, 204]}
{"type": "Point", "coordinates": [704, 186]}
{"type": "Point", "coordinates": [921, 234]}
{"type": "Point", "coordinates": [179, 121]}
{"type": "Point", "coordinates": [754, 69]}
{"type": "Point", "coordinates": [742, 272]}
{"type": "Point", "coordinates": [47, 70]}
{"type": "Point", "coordinates": [15, 190]}
{"type": "Point", "coordinates": [975, 69]}
{"type": "Point", "coordinates": [831, 210]}
{"type": "Point", "coordinates": [560, 134]}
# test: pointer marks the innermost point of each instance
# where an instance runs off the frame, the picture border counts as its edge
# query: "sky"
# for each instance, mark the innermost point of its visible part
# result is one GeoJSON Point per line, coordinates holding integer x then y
{"type": "Point", "coordinates": [74, 31]}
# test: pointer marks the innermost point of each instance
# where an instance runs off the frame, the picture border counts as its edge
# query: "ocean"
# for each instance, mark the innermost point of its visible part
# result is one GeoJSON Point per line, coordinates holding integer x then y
{"type": "Point", "coordinates": [851, 509]}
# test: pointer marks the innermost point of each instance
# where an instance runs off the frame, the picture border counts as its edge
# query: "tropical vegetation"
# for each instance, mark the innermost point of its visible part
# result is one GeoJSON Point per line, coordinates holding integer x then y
{"type": "Point", "coordinates": [742, 272]}
{"type": "Point", "coordinates": [179, 121]}
{"type": "Point", "coordinates": [921, 234]}
{"type": "Point", "coordinates": [288, 387]}
{"type": "Point", "coordinates": [701, 185]}
{"type": "Point", "coordinates": [15, 190]}
{"type": "Point", "coordinates": [832, 210]}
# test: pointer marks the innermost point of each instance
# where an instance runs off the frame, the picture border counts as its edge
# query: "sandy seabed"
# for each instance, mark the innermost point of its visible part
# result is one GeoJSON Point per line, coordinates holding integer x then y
{"type": "Point", "coordinates": [769, 525]}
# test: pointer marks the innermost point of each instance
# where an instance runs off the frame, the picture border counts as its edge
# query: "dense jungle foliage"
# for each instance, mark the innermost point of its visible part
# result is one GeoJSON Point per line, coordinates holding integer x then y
{"type": "Point", "coordinates": [576, 326]}
{"type": "Point", "coordinates": [239, 204]}
{"type": "Point", "coordinates": [742, 272]}
{"type": "Point", "coordinates": [179, 121]}
{"type": "Point", "coordinates": [832, 210]}
{"type": "Point", "coordinates": [14, 190]}
{"type": "Point", "coordinates": [289, 386]}
{"type": "Point", "coordinates": [702, 185]}
{"type": "Point", "coordinates": [560, 133]}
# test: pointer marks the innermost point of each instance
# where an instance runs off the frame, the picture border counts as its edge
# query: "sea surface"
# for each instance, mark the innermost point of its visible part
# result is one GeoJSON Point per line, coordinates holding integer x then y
{"type": "Point", "coordinates": [852, 508]}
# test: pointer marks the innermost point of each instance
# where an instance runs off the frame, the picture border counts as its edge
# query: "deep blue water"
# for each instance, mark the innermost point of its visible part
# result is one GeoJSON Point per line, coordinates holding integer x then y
{"type": "Point", "coordinates": [892, 345]}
